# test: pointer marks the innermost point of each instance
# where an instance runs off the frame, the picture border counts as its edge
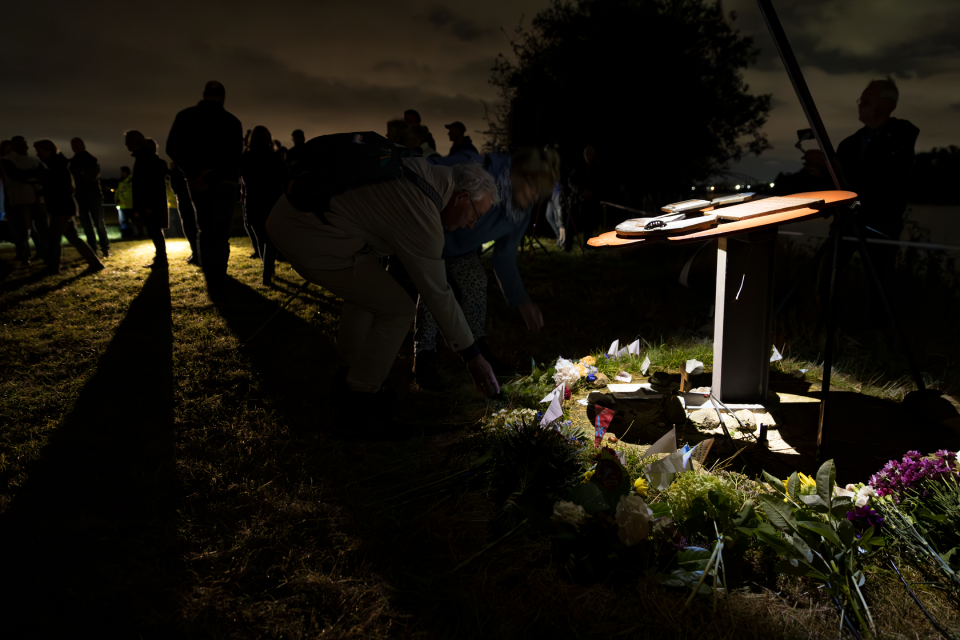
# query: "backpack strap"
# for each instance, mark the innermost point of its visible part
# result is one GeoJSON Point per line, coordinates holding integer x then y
{"type": "Point", "coordinates": [426, 188]}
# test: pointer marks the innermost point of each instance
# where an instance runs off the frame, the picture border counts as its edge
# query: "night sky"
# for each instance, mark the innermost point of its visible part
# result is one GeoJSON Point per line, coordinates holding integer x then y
{"type": "Point", "coordinates": [94, 69]}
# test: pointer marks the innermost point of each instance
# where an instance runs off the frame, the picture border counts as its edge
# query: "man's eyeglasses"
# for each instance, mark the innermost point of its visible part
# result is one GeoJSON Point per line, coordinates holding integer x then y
{"type": "Point", "coordinates": [475, 212]}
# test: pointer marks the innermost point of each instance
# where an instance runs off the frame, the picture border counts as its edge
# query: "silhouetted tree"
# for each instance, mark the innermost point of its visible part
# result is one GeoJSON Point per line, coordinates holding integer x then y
{"type": "Point", "coordinates": [655, 85]}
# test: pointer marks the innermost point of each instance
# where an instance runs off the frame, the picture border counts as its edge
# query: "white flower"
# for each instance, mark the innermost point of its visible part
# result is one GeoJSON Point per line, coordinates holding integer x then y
{"type": "Point", "coordinates": [865, 494]}
{"type": "Point", "coordinates": [570, 513]}
{"type": "Point", "coordinates": [634, 518]}
{"type": "Point", "coordinates": [567, 373]}
{"type": "Point", "coordinates": [849, 492]}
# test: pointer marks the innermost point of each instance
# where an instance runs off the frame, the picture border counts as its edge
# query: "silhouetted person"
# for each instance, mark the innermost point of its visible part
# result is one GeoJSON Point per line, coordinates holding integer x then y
{"type": "Point", "coordinates": [150, 192]}
{"type": "Point", "coordinates": [456, 132]}
{"type": "Point", "coordinates": [86, 176]}
{"type": "Point", "coordinates": [206, 142]}
{"type": "Point", "coordinates": [123, 197]}
{"type": "Point", "coordinates": [876, 161]}
{"type": "Point", "coordinates": [280, 149]}
{"type": "Point", "coordinates": [412, 118]}
{"type": "Point", "coordinates": [293, 153]}
{"type": "Point", "coordinates": [21, 177]}
{"type": "Point", "coordinates": [264, 180]}
{"type": "Point", "coordinates": [58, 190]}
{"type": "Point", "coordinates": [395, 129]}
{"type": "Point", "coordinates": [186, 210]}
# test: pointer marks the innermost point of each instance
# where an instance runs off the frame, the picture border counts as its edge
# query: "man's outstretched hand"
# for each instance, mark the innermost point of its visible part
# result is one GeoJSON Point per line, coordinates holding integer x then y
{"type": "Point", "coordinates": [531, 316]}
{"type": "Point", "coordinates": [483, 378]}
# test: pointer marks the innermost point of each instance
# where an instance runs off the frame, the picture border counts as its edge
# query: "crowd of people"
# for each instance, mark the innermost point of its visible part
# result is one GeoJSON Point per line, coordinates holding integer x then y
{"type": "Point", "coordinates": [428, 231]}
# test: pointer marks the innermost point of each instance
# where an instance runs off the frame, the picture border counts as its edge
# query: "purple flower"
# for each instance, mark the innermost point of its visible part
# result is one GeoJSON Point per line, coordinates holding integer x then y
{"type": "Point", "coordinates": [865, 517]}
{"type": "Point", "coordinates": [896, 478]}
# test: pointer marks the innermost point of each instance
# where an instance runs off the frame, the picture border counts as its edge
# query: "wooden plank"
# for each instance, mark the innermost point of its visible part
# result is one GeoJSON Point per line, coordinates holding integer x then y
{"type": "Point", "coordinates": [756, 208]}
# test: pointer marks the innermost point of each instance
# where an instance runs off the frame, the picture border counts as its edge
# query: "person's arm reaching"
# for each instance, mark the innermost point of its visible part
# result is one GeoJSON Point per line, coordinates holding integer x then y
{"type": "Point", "coordinates": [430, 277]}
{"type": "Point", "coordinates": [504, 261]}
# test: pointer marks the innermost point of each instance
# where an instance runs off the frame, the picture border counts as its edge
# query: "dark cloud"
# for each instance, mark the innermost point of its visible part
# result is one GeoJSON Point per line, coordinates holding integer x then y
{"type": "Point", "coordinates": [95, 69]}
{"type": "Point", "coordinates": [463, 29]}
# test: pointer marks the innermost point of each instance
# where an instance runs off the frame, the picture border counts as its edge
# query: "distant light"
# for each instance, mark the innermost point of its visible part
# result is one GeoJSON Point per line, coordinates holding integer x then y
{"type": "Point", "coordinates": [748, 186]}
{"type": "Point", "coordinates": [771, 185]}
{"type": "Point", "coordinates": [693, 188]}
{"type": "Point", "coordinates": [711, 188]}
{"type": "Point", "coordinates": [737, 187]}
{"type": "Point", "coordinates": [111, 190]}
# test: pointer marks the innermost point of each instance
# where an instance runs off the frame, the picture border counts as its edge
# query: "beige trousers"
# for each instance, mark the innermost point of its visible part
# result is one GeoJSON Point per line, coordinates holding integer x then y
{"type": "Point", "coordinates": [376, 317]}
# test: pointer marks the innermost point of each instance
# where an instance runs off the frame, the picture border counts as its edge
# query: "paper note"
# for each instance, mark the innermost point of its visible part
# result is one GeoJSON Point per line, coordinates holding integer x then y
{"type": "Point", "coordinates": [623, 352]}
{"type": "Point", "coordinates": [645, 365]}
{"type": "Point", "coordinates": [634, 348]}
{"type": "Point", "coordinates": [623, 376]}
{"type": "Point", "coordinates": [662, 472]}
{"type": "Point", "coordinates": [552, 413]}
{"type": "Point", "coordinates": [694, 367]}
{"type": "Point", "coordinates": [666, 444]}
{"type": "Point", "coordinates": [776, 355]}
{"type": "Point", "coordinates": [701, 451]}
{"type": "Point", "coordinates": [558, 392]}
{"type": "Point", "coordinates": [614, 346]}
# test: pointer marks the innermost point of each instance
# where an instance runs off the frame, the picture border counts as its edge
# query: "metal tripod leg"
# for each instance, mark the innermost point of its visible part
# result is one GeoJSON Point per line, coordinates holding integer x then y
{"type": "Point", "coordinates": [831, 328]}
{"type": "Point", "coordinates": [296, 293]}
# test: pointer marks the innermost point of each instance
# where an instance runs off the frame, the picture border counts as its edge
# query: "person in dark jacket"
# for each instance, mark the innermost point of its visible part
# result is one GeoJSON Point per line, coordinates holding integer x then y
{"type": "Point", "coordinates": [150, 192]}
{"type": "Point", "coordinates": [206, 142]}
{"type": "Point", "coordinates": [58, 190]}
{"type": "Point", "coordinates": [264, 176]}
{"type": "Point", "coordinates": [25, 214]}
{"type": "Point", "coordinates": [456, 131]}
{"type": "Point", "coordinates": [188, 214]}
{"type": "Point", "coordinates": [876, 162]}
{"type": "Point", "coordinates": [293, 153]}
{"type": "Point", "coordinates": [86, 175]}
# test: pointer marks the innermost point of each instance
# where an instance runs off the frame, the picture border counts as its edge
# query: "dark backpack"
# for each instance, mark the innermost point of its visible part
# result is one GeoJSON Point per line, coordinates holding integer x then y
{"type": "Point", "coordinates": [330, 165]}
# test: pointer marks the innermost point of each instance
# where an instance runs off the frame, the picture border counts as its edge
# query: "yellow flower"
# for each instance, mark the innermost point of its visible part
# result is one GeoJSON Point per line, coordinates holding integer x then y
{"type": "Point", "coordinates": [581, 369]}
{"type": "Point", "coordinates": [588, 475]}
{"type": "Point", "coordinates": [640, 487]}
{"type": "Point", "coordinates": [806, 482]}
{"type": "Point", "coordinates": [589, 361]}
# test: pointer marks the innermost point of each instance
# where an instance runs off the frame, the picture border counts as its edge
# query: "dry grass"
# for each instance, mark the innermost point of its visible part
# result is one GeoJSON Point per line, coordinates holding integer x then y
{"type": "Point", "coordinates": [158, 482]}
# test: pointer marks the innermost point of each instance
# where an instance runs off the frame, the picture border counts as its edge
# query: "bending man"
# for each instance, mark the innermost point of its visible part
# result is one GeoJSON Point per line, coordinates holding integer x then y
{"type": "Point", "coordinates": [342, 255]}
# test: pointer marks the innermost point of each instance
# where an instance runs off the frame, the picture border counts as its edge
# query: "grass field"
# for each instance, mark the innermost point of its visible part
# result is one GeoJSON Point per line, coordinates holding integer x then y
{"type": "Point", "coordinates": [160, 482]}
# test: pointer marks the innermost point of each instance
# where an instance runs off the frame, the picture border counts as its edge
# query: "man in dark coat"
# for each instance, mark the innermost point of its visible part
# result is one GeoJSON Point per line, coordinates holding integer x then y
{"type": "Point", "coordinates": [456, 131]}
{"type": "Point", "coordinates": [86, 174]}
{"type": "Point", "coordinates": [150, 192]}
{"type": "Point", "coordinates": [876, 161]}
{"type": "Point", "coordinates": [206, 142]}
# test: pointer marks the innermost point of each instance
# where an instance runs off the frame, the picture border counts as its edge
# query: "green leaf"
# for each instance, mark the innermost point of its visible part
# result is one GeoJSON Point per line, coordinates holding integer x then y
{"type": "Point", "coordinates": [865, 537]}
{"type": "Point", "coordinates": [589, 496]}
{"type": "Point", "coordinates": [801, 547]}
{"type": "Point", "coordinates": [778, 512]}
{"type": "Point", "coordinates": [826, 478]}
{"type": "Point", "coordinates": [814, 501]}
{"type": "Point", "coordinates": [774, 482]}
{"type": "Point", "coordinates": [793, 485]}
{"type": "Point", "coordinates": [771, 540]}
{"type": "Point", "coordinates": [846, 532]}
{"type": "Point", "coordinates": [745, 515]}
{"type": "Point", "coordinates": [823, 530]}
{"type": "Point", "coordinates": [694, 558]}
{"type": "Point", "coordinates": [660, 510]}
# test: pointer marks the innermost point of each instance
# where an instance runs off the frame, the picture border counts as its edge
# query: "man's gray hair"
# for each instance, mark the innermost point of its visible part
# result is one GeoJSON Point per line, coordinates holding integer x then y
{"type": "Point", "coordinates": [475, 180]}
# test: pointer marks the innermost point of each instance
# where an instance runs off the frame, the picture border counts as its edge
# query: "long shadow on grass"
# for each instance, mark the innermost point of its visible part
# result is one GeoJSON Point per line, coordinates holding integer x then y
{"type": "Point", "coordinates": [295, 362]}
{"type": "Point", "coordinates": [87, 542]}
